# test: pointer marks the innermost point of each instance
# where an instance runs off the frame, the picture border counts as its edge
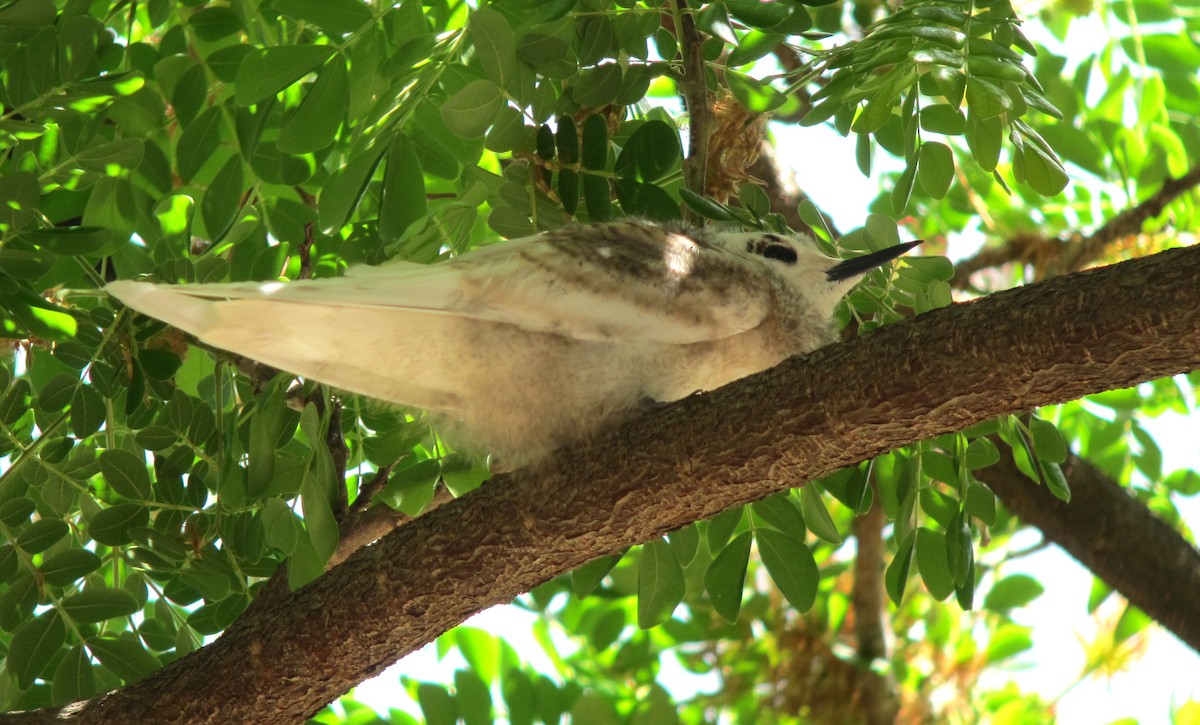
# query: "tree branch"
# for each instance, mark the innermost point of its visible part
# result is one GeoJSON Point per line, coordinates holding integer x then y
{"type": "Point", "coordinates": [940, 372]}
{"type": "Point", "coordinates": [1070, 255]}
{"type": "Point", "coordinates": [878, 694]}
{"type": "Point", "coordinates": [694, 87]}
{"type": "Point", "coordinates": [1113, 535]}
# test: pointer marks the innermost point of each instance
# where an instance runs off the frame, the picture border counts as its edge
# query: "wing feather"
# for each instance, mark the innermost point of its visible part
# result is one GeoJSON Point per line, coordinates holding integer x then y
{"type": "Point", "coordinates": [617, 282]}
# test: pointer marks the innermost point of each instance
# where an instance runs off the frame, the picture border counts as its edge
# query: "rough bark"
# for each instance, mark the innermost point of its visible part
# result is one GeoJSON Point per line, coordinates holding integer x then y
{"type": "Point", "coordinates": [1112, 534]}
{"type": "Point", "coordinates": [1042, 344]}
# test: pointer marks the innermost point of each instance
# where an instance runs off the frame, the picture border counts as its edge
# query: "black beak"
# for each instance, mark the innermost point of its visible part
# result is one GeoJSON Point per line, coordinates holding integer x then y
{"type": "Point", "coordinates": [858, 265]}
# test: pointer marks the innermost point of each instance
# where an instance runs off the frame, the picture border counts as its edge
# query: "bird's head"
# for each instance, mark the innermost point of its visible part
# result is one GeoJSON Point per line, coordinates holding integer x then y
{"type": "Point", "coordinates": [822, 279]}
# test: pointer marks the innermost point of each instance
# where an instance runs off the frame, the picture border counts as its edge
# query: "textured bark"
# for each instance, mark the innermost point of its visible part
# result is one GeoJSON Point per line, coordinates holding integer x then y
{"type": "Point", "coordinates": [1043, 344]}
{"type": "Point", "coordinates": [1112, 534]}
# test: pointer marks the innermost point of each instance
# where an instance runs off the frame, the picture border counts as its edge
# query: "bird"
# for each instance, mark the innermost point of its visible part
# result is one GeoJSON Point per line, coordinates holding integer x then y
{"type": "Point", "coordinates": [523, 347]}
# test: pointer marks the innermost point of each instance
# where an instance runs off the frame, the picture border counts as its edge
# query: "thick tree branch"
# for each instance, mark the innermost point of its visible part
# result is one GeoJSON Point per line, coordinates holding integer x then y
{"type": "Point", "coordinates": [940, 372]}
{"type": "Point", "coordinates": [1113, 535]}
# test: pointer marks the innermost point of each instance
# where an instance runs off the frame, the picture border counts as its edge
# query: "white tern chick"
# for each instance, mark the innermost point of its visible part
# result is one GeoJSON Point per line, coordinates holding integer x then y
{"type": "Point", "coordinates": [525, 346]}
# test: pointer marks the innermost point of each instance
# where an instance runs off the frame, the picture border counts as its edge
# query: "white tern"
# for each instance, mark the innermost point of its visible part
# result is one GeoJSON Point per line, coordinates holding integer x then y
{"type": "Point", "coordinates": [525, 346]}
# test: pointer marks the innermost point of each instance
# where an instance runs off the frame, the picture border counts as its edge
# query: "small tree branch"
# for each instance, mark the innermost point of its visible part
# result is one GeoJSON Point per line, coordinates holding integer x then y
{"type": "Point", "coordinates": [1059, 256]}
{"type": "Point", "coordinates": [877, 694]}
{"type": "Point", "coordinates": [940, 372]}
{"type": "Point", "coordinates": [694, 87]}
{"type": "Point", "coordinates": [1113, 535]}
{"type": "Point", "coordinates": [1128, 222]}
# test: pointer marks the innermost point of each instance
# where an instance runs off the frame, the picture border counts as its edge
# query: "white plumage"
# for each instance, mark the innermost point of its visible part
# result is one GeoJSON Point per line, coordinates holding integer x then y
{"type": "Point", "coordinates": [537, 342]}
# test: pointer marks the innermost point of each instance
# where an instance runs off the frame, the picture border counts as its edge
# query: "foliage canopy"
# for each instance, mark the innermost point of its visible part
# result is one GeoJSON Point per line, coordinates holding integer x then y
{"type": "Point", "coordinates": [150, 492]}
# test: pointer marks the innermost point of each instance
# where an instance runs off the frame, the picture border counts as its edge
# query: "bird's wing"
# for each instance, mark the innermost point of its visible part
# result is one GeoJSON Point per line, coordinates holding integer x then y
{"type": "Point", "coordinates": [620, 282]}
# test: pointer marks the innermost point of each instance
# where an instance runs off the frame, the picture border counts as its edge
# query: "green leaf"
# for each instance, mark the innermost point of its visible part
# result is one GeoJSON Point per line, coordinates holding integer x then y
{"type": "Point", "coordinates": [1007, 641]}
{"type": "Point", "coordinates": [17, 511]}
{"type": "Point", "coordinates": [1056, 481]}
{"type": "Point", "coordinates": [57, 392]}
{"type": "Point", "coordinates": [986, 99]}
{"type": "Point", "coordinates": [902, 191]}
{"type": "Point", "coordinates": [1048, 441]}
{"type": "Point", "coordinates": [344, 188]}
{"type": "Point", "coordinates": [24, 265]}
{"type": "Point", "coordinates": [597, 197]}
{"type": "Point", "coordinates": [725, 577]}
{"type": "Point", "coordinates": [315, 122]}
{"type": "Point", "coordinates": [508, 131]}
{"type": "Point", "coordinates": [566, 140]}
{"type": "Point", "coordinates": [896, 577]}
{"type": "Point", "coordinates": [816, 516]}
{"type": "Point", "coordinates": [470, 112]}
{"type": "Point", "coordinates": [586, 578]}
{"type": "Point", "coordinates": [984, 136]}
{"type": "Point", "coordinates": [265, 72]}
{"type": "Point", "coordinates": [932, 563]}
{"type": "Point", "coordinates": [282, 526]}
{"type": "Point", "coordinates": [1043, 173]}
{"type": "Point", "coordinates": [111, 526]}
{"type": "Point", "coordinates": [647, 200]}
{"type": "Point", "coordinates": [660, 583]}
{"type": "Point", "coordinates": [705, 207]}
{"type": "Point", "coordinates": [214, 23]}
{"type": "Point", "coordinates": [568, 190]}
{"type": "Point", "coordinates": [33, 646]}
{"type": "Point", "coordinates": [74, 678]}
{"type": "Point", "coordinates": [650, 153]}
{"type": "Point", "coordinates": [198, 143]}
{"type": "Point", "coordinates": [960, 552]}
{"type": "Point", "coordinates": [780, 511]}
{"type": "Point", "coordinates": [126, 473]}
{"type": "Point", "coordinates": [756, 95]}
{"type": "Point", "coordinates": [935, 168]}
{"type": "Point", "coordinates": [791, 566]}
{"type": "Point", "coordinates": [685, 542]}
{"type": "Point", "coordinates": [337, 17]}
{"type": "Point", "coordinates": [436, 704]}
{"type": "Point", "coordinates": [124, 656]}
{"type": "Point", "coordinates": [87, 411]}
{"type": "Point", "coordinates": [19, 194]}
{"type": "Point", "coordinates": [98, 604]}
{"type": "Point", "coordinates": [473, 699]}
{"type": "Point", "coordinates": [981, 503]}
{"type": "Point", "coordinates": [42, 534]}
{"type": "Point", "coordinates": [9, 561]}
{"type": "Point", "coordinates": [318, 517]}
{"type": "Point", "coordinates": [876, 113]}
{"type": "Point", "coordinates": [68, 566]}
{"type": "Point", "coordinates": [598, 86]}
{"type": "Point", "coordinates": [981, 453]}
{"type": "Point", "coordinates": [1012, 592]}
{"type": "Point", "coordinates": [222, 201]}
{"type": "Point", "coordinates": [495, 45]}
{"type": "Point", "coordinates": [403, 194]}
{"type": "Point", "coordinates": [595, 142]}
{"type": "Point", "coordinates": [122, 155]}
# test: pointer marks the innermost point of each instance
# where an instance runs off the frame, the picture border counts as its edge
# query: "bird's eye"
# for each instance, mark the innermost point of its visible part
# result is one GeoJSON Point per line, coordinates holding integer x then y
{"type": "Point", "coordinates": [780, 252]}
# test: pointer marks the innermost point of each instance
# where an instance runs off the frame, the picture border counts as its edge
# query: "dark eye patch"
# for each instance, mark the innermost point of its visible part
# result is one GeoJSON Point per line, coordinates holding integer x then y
{"type": "Point", "coordinates": [780, 252]}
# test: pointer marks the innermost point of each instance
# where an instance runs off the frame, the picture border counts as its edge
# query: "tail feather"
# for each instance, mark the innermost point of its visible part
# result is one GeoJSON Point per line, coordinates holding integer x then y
{"type": "Point", "coordinates": [166, 303]}
{"type": "Point", "coordinates": [351, 349]}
